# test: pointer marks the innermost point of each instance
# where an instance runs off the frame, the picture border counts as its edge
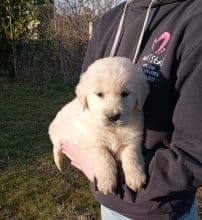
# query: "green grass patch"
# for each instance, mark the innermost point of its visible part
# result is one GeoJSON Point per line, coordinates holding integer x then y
{"type": "Point", "coordinates": [30, 185]}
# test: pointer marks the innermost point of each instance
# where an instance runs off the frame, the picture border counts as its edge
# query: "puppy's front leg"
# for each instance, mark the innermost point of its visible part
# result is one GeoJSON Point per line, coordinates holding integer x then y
{"type": "Point", "coordinates": [105, 170]}
{"type": "Point", "coordinates": [133, 166]}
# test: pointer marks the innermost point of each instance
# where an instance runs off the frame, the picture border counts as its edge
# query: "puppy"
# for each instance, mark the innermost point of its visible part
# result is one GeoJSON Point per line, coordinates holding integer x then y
{"type": "Point", "coordinates": [106, 119]}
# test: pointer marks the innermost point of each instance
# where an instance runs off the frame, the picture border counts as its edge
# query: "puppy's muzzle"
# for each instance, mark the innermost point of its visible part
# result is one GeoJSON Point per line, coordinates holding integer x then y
{"type": "Point", "coordinates": [113, 118]}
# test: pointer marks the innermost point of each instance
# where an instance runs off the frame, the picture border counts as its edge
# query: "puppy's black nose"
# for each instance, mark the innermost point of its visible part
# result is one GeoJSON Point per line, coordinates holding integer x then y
{"type": "Point", "coordinates": [113, 118]}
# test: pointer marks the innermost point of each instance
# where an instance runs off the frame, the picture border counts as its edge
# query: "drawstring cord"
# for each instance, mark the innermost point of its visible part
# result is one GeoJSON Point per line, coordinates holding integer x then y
{"type": "Point", "coordinates": [142, 32]}
{"type": "Point", "coordinates": [118, 33]}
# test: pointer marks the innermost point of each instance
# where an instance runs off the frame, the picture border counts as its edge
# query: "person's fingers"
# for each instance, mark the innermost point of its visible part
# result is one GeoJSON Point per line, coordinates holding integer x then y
{"type": "Point", "coordinates": [70, 149]}
{"type": "Point", "coordinates": [69, 154]}
{"type": "Point", "coordinates": [73, 163]}
{"type": "Point", "coordinates": [72, 158]}
{"type": "Point", "coordinates": [65, 144]}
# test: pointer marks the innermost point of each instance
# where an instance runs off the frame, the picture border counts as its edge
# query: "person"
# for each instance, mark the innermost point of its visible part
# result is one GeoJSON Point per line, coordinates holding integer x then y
{"type": "Point", "coordinates": [164, 39]}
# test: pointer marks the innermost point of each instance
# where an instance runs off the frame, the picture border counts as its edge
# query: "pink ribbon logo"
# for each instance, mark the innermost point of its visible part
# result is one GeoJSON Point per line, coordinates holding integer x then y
{"type": "Point", "coordinates": [160, 43]}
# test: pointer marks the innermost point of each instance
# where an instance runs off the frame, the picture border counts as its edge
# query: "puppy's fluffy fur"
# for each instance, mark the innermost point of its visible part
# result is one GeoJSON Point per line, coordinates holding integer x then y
{"type": "Point", "coordinates": [106, 119]}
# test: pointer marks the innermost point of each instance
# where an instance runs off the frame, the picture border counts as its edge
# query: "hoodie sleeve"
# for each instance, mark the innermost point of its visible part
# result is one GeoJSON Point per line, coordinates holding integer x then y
{"type": "Point", "coordinates": [90, 53]}
{"type": "Point", "coordinates": [103, 36]}
{"type": "Point", "coordinates": [93, 53]}
{"type": "Point", "coordinates": [178, 167]}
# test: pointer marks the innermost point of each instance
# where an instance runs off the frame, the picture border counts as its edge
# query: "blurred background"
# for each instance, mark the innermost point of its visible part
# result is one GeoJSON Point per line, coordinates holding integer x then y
{"type": "Point", "coordinates": [46, 39]}
{"type": "Point", "coordinates": [42, 46]}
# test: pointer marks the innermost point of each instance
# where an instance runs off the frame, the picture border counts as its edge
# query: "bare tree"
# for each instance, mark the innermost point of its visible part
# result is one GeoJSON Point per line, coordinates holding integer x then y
{"type": "Point", "coordinates": [92, 7]}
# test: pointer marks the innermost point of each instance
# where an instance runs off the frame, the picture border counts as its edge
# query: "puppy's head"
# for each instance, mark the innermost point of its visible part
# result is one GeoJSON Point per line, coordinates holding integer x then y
{"type": "Point", "coordinates": [112, 89]}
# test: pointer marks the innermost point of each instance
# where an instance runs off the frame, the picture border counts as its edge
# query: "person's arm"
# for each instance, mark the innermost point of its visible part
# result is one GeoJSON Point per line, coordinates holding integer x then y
{"type": "Point", "coordinates": [179, 167]}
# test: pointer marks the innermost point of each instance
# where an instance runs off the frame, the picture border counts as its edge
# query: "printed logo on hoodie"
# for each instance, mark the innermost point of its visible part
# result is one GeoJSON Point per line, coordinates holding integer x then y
{"type": "Point", "coordinates": [160, 43]}
{"type": "Point", "coordinates": [153, 62]}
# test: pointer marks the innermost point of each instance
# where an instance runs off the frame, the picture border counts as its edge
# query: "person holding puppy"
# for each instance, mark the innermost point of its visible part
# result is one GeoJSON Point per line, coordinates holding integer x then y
{"type": "Point", "coordinates": [163, 38]}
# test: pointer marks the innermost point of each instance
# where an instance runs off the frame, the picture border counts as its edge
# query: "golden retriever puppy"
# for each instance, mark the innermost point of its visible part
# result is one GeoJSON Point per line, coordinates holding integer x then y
{"type": "Point", "coordinates": [106, 119]}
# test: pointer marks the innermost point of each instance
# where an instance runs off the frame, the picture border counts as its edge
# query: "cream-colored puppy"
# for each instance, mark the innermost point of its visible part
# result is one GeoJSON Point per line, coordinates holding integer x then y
{"type": "Point", "coordinates": [106, 119]}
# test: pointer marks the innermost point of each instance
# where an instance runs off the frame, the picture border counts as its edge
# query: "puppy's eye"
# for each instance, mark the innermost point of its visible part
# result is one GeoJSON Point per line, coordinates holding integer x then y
{"type": "Point", "coordinates": [100, 94]}
{"type": "Point", "coordinates": [125, 94]}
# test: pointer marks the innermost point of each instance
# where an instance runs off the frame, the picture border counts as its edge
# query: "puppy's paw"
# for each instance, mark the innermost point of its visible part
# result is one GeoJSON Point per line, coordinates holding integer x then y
{"type": "Point", "coordinates": [135, 180]}
{"type": "Point", "coordinates": [106, 185]}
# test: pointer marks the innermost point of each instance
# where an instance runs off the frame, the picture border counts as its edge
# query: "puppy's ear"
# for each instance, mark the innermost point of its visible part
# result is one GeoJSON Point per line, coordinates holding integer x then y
{"type": "Point", "coordinates": [142, 93]}
{"type": "Point", "coordinates": [81, 91]}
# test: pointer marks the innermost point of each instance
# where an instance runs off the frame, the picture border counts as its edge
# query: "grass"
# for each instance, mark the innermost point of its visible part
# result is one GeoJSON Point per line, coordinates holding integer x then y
{"type": "Point", "coordinates": [30, 185]}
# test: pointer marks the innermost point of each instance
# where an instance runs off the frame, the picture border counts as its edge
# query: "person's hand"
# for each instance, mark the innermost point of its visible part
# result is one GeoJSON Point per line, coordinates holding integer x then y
{"type": "Point", "coordinates": [79, 159]}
